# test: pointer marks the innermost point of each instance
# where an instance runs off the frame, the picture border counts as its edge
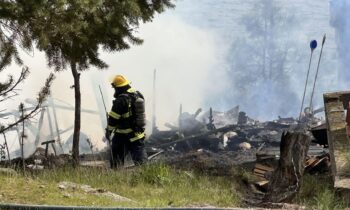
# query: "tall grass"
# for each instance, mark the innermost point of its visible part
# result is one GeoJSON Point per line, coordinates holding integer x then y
{"type": "Point", "coordinates": [317, 192]}
{"type": "Point", "coordinates": [154, 185]}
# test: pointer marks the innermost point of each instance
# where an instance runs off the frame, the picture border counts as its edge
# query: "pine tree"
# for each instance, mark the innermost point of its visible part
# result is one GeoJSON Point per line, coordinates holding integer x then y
{"type": "Point", "coordinates": [14, 35]}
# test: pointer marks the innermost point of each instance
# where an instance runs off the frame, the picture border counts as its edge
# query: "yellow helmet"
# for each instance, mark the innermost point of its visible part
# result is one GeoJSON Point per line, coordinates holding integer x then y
{"type": "Point", "coordinates": [120, 81]}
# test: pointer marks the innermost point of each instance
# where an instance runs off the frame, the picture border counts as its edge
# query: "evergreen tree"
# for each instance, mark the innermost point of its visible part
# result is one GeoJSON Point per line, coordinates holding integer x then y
{"type": "Point", "coordinates": [71, 32]}
{"type": "Point", "coordinates": [12, 36]}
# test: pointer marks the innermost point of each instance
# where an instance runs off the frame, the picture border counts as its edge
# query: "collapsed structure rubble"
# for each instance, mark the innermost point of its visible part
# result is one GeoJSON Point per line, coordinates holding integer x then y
{"type": "Point", "coordinates": [231, 133]}
{"type": "Point", "coordinates": [214, 142]}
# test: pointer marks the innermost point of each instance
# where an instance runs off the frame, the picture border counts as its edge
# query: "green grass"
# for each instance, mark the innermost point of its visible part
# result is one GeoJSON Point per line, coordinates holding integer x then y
{"type": "Point", "coordinates": [155, 185]}
{"type": "Point", "coordinates": [317, 193]}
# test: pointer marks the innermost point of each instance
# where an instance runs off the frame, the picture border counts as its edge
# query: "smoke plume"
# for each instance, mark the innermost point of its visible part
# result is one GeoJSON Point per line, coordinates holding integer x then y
{"type": "Point", "coordinates": [183, 55]}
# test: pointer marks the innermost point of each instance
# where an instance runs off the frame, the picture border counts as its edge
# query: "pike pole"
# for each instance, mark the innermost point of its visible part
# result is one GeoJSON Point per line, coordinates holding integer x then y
{"type": "Point", "coordinates": [318, 67]}
{"type": "Point", "coordinates": [106, 129]}
{"type": "Point", "coordinates": [313, 46]}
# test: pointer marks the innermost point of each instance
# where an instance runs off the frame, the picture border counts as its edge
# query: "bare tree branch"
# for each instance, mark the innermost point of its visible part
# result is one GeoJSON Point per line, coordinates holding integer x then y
{"type": "Point", "coordinates": [11, 87]}
{"type": "Point", "coordinates": [44, 92]}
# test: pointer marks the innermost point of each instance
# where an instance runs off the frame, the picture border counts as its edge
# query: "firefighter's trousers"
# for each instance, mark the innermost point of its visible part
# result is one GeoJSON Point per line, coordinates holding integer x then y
{"type": "Point", "coordinates": [121, 146]}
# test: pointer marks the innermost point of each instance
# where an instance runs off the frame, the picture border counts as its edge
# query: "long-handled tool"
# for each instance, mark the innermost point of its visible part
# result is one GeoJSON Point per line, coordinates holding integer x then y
{"type": "Point", "coordinates": [107, 136]}
{"type": "Point", "coordinates": [313, 46]}
{"type": "Point", "coordinates": [318, 67]}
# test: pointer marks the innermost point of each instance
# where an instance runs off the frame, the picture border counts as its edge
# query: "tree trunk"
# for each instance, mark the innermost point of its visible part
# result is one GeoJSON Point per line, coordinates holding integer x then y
{"type": "Point", "coordinates": [286, 180]}
{"type": "Point", "coordinates": [77, 95]}
{"type": "Point", "coordinates": [22, 137]}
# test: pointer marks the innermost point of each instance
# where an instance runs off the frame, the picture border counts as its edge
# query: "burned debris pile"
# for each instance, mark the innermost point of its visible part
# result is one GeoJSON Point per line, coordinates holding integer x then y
{"type": "Point", "coordinates": [211, 142]}
{"type": "Point", "coordinates": [202, 133]}
{"type": "Point", "coordinates": [204, 162]}
{"type": "Point", "coordinates": [40, 160]}
{"type": "Point", "coordinates": [276, 152]}
{"type": "Point", "coordinates": [244, 140]}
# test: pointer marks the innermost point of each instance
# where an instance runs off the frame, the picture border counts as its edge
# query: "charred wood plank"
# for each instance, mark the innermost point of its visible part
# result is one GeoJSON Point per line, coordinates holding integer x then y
{"type": "Point", "coordinates": [263, 167]}
{"type": "Point", "coordinates": [202, 135]}
{"type": "Point", "coordinates": [46, 143]}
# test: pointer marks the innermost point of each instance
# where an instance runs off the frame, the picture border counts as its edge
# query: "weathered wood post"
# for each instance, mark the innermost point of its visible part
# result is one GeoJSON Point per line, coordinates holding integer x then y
{"type": "Point", "coordinates": [286, 180]}
{"type": "Point", "coordinates": [338, 140]}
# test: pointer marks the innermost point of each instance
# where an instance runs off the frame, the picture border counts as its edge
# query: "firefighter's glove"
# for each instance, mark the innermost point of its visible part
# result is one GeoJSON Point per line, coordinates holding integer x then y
{"type": "Point", "coordinates": [139, 129]}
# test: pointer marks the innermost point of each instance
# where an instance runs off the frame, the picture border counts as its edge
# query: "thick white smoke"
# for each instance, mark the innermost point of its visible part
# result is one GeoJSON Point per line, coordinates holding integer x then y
{"type": "Point", "coordinates": [267, 101]}
{"type": "Point", "coordinates": [183, 55]}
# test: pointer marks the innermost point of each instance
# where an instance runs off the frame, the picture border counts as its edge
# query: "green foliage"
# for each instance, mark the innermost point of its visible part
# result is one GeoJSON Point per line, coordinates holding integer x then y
{"type": "Point", "coordinates": [317, 193]}
{"type": "Point", "coordinates": [8, 51]}
{"type": "Point", "coordinates": [12, 34]}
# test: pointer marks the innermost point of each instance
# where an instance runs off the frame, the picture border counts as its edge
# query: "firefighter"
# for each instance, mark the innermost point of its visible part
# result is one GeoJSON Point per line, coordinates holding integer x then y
{"type": "Point", "coordinates": [126, 121]}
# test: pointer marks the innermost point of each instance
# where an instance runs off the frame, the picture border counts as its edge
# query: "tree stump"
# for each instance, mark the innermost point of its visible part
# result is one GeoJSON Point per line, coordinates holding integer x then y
{"type": "Point", "coordinates": [286, 180]}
